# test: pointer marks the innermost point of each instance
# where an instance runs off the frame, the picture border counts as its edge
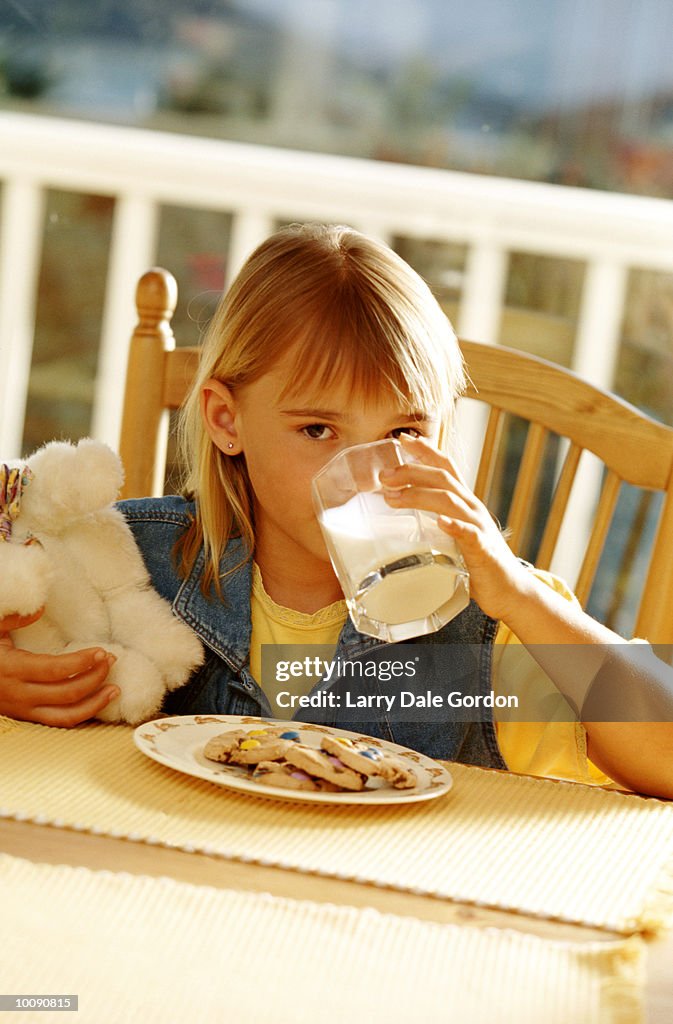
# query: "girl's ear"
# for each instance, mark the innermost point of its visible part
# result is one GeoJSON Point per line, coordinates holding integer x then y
{"type": "Point", "coordinates": [218, 408]}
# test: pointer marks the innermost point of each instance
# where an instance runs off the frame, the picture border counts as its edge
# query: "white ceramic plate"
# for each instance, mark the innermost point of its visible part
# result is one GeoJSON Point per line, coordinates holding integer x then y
{"type": "Point", "coordinates": [178, 743]}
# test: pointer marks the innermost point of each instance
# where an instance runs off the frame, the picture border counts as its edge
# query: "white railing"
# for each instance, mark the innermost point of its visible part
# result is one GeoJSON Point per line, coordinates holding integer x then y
{"type": "Point", "coordinates": [257, 185]}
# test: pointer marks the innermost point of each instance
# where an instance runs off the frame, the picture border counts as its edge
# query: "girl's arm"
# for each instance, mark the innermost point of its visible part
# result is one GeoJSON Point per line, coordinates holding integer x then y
{"type": "Point", "coordinates": [637, 754]}
{"type": "Point", "coordinates": [52, 689]}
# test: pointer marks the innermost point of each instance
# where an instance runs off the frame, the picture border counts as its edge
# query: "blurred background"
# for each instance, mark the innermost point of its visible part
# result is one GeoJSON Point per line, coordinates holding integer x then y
{"type": "Point", "coordinates": [576, 94]}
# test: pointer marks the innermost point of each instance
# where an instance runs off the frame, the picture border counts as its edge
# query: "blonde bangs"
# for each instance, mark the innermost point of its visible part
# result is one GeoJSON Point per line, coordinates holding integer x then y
{"type": "Point", "coordinates": [371, 333]}
{"type": "Point", "coordinates": [370, 369]}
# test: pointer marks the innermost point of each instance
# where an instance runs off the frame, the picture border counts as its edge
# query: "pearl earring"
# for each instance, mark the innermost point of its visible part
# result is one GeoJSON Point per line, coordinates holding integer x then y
{"type": "Point", "coordinates": [230, 444]}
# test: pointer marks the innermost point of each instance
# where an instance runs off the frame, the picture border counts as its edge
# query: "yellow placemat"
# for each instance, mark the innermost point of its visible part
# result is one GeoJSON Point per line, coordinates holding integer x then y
{"type": "Point", "coordinates": [547, 849]}
{"type": "Point", "coordinates": [146, 950]}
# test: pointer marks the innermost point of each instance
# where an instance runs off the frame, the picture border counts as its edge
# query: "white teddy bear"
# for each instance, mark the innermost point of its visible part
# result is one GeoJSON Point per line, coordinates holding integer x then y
{"type": "Point", "coordinates": [65, 547]}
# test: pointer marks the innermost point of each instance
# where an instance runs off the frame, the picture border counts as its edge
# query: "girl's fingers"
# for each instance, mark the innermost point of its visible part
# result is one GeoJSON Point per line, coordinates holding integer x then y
{"type": "Point", "coordinates": [53, 668]}
{"type": "Point", "coordinates": [68, 715]}
{"type": "Point", "coordinates": [458, 529]}
{"type": "Point", "coordinates": [420, 474]}
{"type": "Point", "coordinates": [424, 451]}
{"type": "Point", "coordinates": [69, 691]}
{"type": "Point", "coordinates": [446, 473]}
{"type": "Point", "coordinates": [411, 481]}
{"type": "Point", "coordinates": [429, 499]}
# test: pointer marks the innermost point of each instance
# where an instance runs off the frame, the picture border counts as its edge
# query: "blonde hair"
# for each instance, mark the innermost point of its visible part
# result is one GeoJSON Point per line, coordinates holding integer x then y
{"type": "Point", "coordinates": [351, 306]}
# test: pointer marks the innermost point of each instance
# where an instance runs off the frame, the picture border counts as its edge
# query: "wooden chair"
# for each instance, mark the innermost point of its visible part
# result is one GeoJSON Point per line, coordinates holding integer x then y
{"type": "Point", "coordinates": [157, 379]}
{"type": "Point", "coordinates": [633, 448]}
{"type": "Point", "coordinates": [551, 401]}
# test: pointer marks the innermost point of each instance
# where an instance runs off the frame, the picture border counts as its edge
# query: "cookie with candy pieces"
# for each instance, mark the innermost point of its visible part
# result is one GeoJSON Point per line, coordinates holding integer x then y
{"type": "Point", "coordinates": [250, 746]}
{"type": "Point", "coordinates": [287, 776]}
{"type": "Point", "coordinates": [370, 761]}
{"type": "Point", "coordinates": [325, 766]}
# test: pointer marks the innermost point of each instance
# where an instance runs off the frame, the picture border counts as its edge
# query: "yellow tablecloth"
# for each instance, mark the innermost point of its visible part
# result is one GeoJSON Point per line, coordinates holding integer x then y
{"type": "Point", "coordinates": [144, 950]}
{"type": "Point", "coordinates": [547, 849]}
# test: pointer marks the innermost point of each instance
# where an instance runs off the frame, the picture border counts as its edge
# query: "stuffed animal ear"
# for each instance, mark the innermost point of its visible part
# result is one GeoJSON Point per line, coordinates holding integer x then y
{"type": "Point", "coordinates": [25, 572]}
{"type": "Point", "coordinates": [70, 481]}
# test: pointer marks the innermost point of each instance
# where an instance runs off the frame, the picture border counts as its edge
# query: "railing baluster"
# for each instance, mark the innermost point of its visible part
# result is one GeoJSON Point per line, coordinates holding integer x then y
{"type": "Point", "coordinates": [249, 228]}
{"type": "Point", "coordinates": [479, 319]}
{"type": "Point", "coordinates": [20, 247]}
{"type": "Point", "coordinates": [483, 290]}
{"type": "Point", "coordinates": [132, 251]}
{"type": "Point", "coordinates": [598, 332]}
{"type": "Point", "coordinates": [595, 357]}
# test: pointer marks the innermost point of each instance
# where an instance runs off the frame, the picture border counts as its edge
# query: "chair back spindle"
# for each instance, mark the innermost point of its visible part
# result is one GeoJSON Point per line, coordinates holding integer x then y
{"type": "Point", "coordinates": [145, 417]}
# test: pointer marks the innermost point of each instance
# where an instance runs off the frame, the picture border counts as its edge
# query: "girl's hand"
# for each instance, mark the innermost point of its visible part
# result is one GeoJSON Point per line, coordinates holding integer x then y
{"type": "Point", "coordinates": [52, 689]}
{"type": "Point", "coordinates": [498, 580]}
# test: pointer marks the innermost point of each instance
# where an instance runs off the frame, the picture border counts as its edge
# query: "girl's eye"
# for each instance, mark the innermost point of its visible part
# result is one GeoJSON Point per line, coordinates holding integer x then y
{"type": "Point", "coordinates": [318, 432]}
{"type": "Point", "coordinates": [405, 430]}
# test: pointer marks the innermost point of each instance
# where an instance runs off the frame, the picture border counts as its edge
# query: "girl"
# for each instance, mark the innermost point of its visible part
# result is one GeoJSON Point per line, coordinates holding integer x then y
{"type": "Point", "coordinates": [328, 339]}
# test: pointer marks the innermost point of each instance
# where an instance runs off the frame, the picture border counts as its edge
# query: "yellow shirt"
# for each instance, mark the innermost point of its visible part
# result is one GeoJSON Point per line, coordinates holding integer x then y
{"type": "Point", "coordinates": [274, 624]}
{"type": "Point", "coordinates": [551, 749]}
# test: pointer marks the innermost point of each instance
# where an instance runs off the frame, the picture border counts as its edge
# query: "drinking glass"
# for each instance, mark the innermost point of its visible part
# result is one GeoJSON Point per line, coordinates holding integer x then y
{"type": "Point", "coordinates": [401, 575]}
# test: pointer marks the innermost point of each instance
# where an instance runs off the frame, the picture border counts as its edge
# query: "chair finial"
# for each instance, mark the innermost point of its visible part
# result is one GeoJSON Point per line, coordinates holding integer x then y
{"type": "Point", "coordinates": [156, 296]}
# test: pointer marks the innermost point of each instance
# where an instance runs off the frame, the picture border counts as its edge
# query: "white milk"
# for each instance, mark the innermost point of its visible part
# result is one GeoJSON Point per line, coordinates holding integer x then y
{"type": "Point", "coordinates": [370, 537]}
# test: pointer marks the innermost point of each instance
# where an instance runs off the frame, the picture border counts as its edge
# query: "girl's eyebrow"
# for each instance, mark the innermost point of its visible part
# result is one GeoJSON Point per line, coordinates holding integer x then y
{"type": "Point", "coordinates": [325, 413]}
{"type": "Point", "coordinates": [328, 414]}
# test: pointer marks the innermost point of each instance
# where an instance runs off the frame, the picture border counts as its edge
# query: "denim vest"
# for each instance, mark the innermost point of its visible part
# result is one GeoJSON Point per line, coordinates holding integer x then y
{"type": "Point", "coordinates": [223, 684]}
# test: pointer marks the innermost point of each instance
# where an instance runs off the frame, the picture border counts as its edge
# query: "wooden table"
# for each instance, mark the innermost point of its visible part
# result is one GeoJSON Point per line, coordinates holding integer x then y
{"type": "Point", "coordinates": [545, 848]}
{"type": "Point", "coordinates": [47, 844]}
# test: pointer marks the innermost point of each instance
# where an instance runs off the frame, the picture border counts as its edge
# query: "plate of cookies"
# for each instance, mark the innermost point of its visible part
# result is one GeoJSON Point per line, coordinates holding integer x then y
{"type": "Point", "coordinates": [291, 760]}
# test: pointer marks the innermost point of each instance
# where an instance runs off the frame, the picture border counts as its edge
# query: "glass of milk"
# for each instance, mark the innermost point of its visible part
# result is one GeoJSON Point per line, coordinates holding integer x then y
{"type": "Point", "coordinates": [401, 575]}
